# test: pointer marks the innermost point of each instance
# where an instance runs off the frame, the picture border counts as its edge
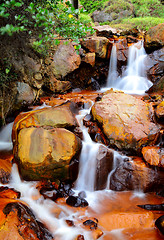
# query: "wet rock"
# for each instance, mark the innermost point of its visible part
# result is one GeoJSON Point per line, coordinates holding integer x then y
{"type": "Point", "coordinates": [158, 86]}
{"type": "Point", "coordinates": [104, 166]}
{"type": "Point", "coordinates": [159, 207]}
{"type": "Point", "coordinates": [82, 194]}
{"type": "Point", "coordinates": [154, 38]}
{"type": "Point", "coordinates": [91, 224]}
{"type": "Point", "coordinates": [160, 224]}
{"type": "Point", "coordinates": [16, 214]}
{"type": "Point", "coordinates": [96, 45]}
{"type": "Point", "coordinates": [154, 156]}
{"type": "Point", "coordinates": [65, 61]}
{"type": "Point", "coordinates": [126, 121]}
{"type": "Point", "coordinates": [136, 175]}
{"type": "Point", "coordinates": [5, 167]}
{"type": "Point", "coordinates": [80, 237]}
{"type": "Point", "coordinates": [160, 110]}
{"type": "Point", "coordinates": [6, 192]}
{"type": "Point", "coordinates": [76, 201]}
{"type": "Point", "coordinates": [58, 116]}
{"type": "Point", "coordinates": [46, 154]}
{"type": "Point", "coordinates": [70, 223]}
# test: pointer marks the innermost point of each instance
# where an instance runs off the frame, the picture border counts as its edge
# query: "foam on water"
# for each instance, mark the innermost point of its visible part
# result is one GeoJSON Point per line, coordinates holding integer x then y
{"type": "Point", "coordinates": [5, 137]}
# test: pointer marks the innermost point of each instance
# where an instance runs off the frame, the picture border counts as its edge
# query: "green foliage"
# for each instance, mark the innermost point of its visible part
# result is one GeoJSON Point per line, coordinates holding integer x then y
{"type": "Point", "coordinates": [91, 6]}
{"type": "Point", "coordinates": [117, 6]}
{"type": "Point", "coordinates": [141, 23]}
{"type": "Point", "coordinates": [44, 18]}
{"type": "Point", "coordinates": [152, 8]}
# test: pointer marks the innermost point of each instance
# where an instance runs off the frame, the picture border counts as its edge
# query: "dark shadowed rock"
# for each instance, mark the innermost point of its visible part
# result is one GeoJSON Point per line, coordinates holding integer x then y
{"type": "Point", "coordinates": [136, 175]}
{"type": "Point", "coordinates": [76, 201]}
{"type": "Point", "coordinates": [160, 224]}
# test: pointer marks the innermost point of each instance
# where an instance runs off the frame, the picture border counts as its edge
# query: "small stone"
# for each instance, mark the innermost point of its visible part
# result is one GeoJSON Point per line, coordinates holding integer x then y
{"type": "Point", "coordinates": [76, 201]}
{"type": "Point", "coordinates": [92, 225]}
{"type": "Point", "coordinates": [159, 223]}
{"type": "Point", "coordinates": [38, 76]}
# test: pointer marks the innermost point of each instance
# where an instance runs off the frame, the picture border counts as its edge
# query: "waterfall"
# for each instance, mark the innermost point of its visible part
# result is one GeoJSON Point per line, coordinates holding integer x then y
{"type": "Point", "coordinates": [5, 137]}
{"type": "Point", "coordinates": [112, 75]}
{"type": "Point", "coordinates": [133, 79]}
{"type": "Point", "coordinates": [87, 166]}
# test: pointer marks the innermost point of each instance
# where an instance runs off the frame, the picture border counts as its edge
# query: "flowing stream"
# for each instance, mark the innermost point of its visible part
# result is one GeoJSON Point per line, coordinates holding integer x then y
{"type": "Point", "coordinates": [133, 79]}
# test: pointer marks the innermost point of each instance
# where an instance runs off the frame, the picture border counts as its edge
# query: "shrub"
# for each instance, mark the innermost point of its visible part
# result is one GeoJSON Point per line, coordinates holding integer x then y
{"type": "Point", "coordinates": [91, 6]}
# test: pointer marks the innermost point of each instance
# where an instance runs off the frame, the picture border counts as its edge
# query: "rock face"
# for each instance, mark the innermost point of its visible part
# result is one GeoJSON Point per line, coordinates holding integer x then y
{"type": "Point", "coordinates": [96, 44]}
{"type": "Point", "coordinates": [47, 153]}
{"type": "Point", "coordinates": [154, 156]}
{"type": "Point", "coordinates": [133, 174]}
{"type": "Point", "coordinates": [66, 60]}
{"type": "Point", "coordinates": [125, 120]}
{"type": "Point", "coordinates": [155, 37]}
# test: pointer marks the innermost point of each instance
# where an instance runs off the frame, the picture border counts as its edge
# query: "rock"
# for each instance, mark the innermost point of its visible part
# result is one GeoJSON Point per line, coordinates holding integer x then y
{"type": "Point", "coordinates": [96, 45]}
{"type": "Point", "coordinates": [104, 166]}
{"type": "Point", "coordinates": [57, 86]}
{"type": "Point", "coordinates": [155, 65]}
{"type": "Point", "coordinates": [65, 61]}
{"type": "Point", "coordinates": [45, 154]}
{"type": "Point", "coordinates": [154, 156]}
{"type": "Point", "coordinates": [101, 16]}
{"type": "Point", "coordinates": [91, 224]}
{"type": "Point", "coordinates": [134, 174]}
{"type": "Point", "coordinates": [157, 207]}
{"type": "Point", "coordinates": [16, 214]}
{"type": "Point", "coordinates": [159, 111]}
{"type": "Point", "coordinates": [25, 96]}
{"type": "Point", "coordinates": [76, 201]}
{"type": "Point", "coordinates": [89, 58]}
{"type": "Point", "coordinates": [125, 120]}
{"type": "Point", "coordinates": [5, 168]}
{"type": "Point", "coordinates": [61, 116]}
{"type": "Point", "coordinates": [158, 86]}
{"type": "Point", "coordinates": [105, 31]}
{"type": "Point", "coordinates": [154, 38]}
{"type": "Point", "coordinates": [160, 224]}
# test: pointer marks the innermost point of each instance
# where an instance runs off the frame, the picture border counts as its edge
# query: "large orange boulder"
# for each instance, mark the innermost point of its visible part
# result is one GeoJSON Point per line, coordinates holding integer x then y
{"type": "Point", "coordinates": [45, 153]}
{"type": "Point", "coordinates": [126, 120]}
{"type": "Point", "coordinates": [154, 156]}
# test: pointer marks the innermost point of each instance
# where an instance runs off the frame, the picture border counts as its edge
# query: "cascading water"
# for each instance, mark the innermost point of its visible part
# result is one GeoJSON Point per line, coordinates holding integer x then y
{"type": "Point", "coordinates": [133, 79]}
{"type": "Point", "coordinates": [5, 138]}
{"type": "Point", "coordinates": [87, 169]}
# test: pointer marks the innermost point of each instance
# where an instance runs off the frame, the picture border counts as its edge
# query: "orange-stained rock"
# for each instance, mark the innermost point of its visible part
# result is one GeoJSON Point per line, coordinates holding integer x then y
{"type": "Point", "coordinates": [45, 154]}
{"type": "Point", "coordinates": [90, 58]}
{"type": "Point", "coordinates": [58, 116]}
{"type": "Point", "coordinates": [155, 37]}
{"type": "Point", "coordinates": [160, 110]}
{"type": "Point", "coordinates": [97, 45]}
{"type": "Point", "coordinates": [154, 156]}
{"type": "Point", "coordinates": [5, 167]}
{"type": "Point", "coordinates": [65, 61]}
{"type": "Point", "coordinates": [125, 120]}
{"type": "Point", "coordinates": [134, 174]}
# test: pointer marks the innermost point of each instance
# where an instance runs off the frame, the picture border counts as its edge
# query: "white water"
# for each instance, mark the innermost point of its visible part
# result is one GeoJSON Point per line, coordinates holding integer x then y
{"type": "Point", "coordinates": [134, 79]}
{"type": "Point", "coordinates": [87, 165]}
{"type": "Point", "coordinates": [5, 137]}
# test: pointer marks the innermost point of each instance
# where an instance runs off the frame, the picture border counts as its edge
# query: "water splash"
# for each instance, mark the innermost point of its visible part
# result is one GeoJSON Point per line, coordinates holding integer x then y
{"type": "Point", "coordinates": [133, 79]}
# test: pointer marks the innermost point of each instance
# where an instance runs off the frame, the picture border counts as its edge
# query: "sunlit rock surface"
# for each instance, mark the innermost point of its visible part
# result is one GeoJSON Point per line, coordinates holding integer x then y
{"type": "Point", "coordinates": [126, 120]}
{"type": "Point", "coordinates": [45, 153]}
{"type": "Point", "coordinates": [96, 44]}
{"type": "Point", "coordinates": [134, 174]}
{"type": "Point", "coordinates": [154, 156]}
